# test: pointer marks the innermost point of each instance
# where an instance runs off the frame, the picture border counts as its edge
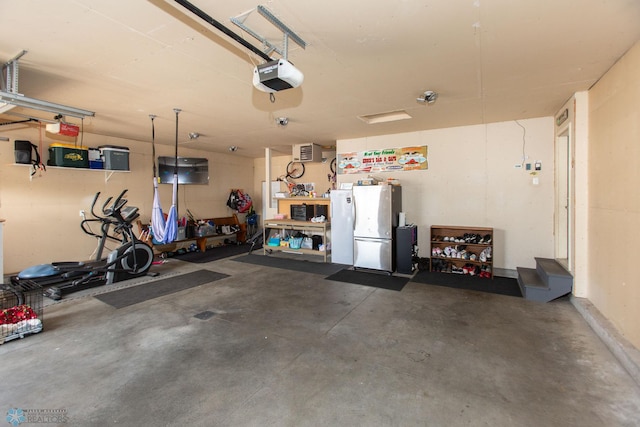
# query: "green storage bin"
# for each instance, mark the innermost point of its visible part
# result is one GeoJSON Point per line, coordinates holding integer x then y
{"type": "Point", "coordinates": [68, 155]}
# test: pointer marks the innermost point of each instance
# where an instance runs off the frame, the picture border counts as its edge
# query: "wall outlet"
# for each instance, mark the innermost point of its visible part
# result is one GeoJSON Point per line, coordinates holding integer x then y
{"type": "Point", "coordinates": [82, 213]}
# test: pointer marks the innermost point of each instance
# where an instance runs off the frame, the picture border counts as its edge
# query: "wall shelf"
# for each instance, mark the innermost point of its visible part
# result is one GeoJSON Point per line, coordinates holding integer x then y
{"type": "Point", "coordinates": [289, 227]}
{"type": "Point", "coordinates": [107, 172]}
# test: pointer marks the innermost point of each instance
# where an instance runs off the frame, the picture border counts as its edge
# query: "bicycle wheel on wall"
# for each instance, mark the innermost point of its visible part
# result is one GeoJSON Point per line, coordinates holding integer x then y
{"type": "Point", "coordinates": [295, 170]}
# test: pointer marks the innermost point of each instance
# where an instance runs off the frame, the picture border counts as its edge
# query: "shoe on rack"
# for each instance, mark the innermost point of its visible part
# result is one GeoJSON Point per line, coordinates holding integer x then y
{"type": "Point", "coordinates": [485, 255]}
{"type": "Point", "coordinates": [470, 269]}
{"type": "Point", "coordinates": [486, 272]}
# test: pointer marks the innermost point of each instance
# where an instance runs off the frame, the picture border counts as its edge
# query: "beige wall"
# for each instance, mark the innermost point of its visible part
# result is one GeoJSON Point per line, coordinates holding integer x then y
{"type": "Point", "coordinates": [42, 214]}
{"type": "Point", "coordinates": [614, 199]}
{"type": "Point", "coordinates": [472, 181]}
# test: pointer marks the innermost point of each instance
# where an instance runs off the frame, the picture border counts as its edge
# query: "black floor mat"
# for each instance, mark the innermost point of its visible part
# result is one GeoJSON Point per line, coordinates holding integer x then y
{"type": "Point", "coordinates": [139, 293]}
{"type": "Point", "coordinates": [291, 264]}
{"type": "Point", "coordinates": [497, 285]}
{"type": "Point", "coordinates": [376, 280]}
{"type": "Point", "coordinates": [213, 254]}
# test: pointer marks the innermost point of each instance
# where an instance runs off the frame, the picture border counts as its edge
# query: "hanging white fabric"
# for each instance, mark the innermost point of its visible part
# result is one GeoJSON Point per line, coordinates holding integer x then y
{"type": "Point", "coordinates": [163, 231]}
{"type": "Point", "coordinates": [171, 229]}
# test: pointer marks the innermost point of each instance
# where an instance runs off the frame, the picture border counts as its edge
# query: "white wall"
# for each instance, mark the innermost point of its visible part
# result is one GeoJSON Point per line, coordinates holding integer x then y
{"type": "Point", "coordinates": [471, 181]}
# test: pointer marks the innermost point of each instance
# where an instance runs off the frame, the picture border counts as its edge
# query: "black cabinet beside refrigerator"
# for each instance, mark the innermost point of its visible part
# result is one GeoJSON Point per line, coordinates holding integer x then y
{"type": "Point", "coordinates": [406, 245]}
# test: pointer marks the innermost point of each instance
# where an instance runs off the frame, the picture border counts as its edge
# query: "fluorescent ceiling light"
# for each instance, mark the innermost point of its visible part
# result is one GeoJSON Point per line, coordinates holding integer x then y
{"type": "Point", "coordinates": [391, 116]}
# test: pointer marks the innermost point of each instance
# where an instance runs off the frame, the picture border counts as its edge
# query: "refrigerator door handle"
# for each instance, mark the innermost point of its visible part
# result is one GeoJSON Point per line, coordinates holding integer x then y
{"type": "Point", "coordinates": [370, 239]}
{"type": "Point", "coordinates": [355, 214]}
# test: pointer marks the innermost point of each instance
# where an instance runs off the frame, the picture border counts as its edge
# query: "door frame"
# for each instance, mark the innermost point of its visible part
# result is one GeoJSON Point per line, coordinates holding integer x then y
{"type": "Point", "coordinates": [564, 205]}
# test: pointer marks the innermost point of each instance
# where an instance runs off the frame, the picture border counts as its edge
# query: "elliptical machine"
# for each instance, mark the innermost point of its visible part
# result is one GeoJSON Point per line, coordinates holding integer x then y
{"type": "Point", "coordinates": [132, 258]}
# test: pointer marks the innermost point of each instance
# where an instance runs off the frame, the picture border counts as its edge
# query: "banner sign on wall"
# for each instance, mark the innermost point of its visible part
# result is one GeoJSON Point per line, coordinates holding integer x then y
{"type": "Point", "coordinates": [385, 160]}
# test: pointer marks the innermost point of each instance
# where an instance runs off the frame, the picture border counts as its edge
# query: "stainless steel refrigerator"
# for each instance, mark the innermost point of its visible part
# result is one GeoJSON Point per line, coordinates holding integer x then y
{"type": "Point", "coordinates": [377, 208]}
{"type": "Point", "coordinates": [342, 219]}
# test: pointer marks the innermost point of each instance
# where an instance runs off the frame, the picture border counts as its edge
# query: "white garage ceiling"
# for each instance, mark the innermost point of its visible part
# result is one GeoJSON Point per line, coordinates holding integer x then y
{"type": "Point", "coordinates": [489, 60]}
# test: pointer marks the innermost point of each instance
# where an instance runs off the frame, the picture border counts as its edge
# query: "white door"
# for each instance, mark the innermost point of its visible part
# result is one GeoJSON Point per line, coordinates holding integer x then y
{"type": "Point", "coordinates": [564, 200]}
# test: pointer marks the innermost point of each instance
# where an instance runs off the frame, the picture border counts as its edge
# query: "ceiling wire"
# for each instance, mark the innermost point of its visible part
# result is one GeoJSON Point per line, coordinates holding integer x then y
{"type": "Point", "coordinates": [272, 97]}
{"type": "Point", "coordinates": [249, 56]}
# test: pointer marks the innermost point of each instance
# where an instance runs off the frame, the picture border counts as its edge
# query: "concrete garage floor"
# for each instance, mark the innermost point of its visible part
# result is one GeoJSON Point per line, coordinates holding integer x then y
{"type": "Point", "coordinates": [285, 348]}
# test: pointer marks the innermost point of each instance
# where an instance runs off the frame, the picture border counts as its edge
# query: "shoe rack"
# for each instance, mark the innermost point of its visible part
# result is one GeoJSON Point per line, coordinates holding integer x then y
{"type": "Point", "coordinates": [462, 250]}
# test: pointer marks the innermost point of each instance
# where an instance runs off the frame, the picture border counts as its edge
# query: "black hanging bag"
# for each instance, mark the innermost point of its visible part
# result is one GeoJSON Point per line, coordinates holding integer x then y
{"type": "Point", "coordinates": [316, 241]}
{"type": "Point", "coordinates": [23, 151]}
